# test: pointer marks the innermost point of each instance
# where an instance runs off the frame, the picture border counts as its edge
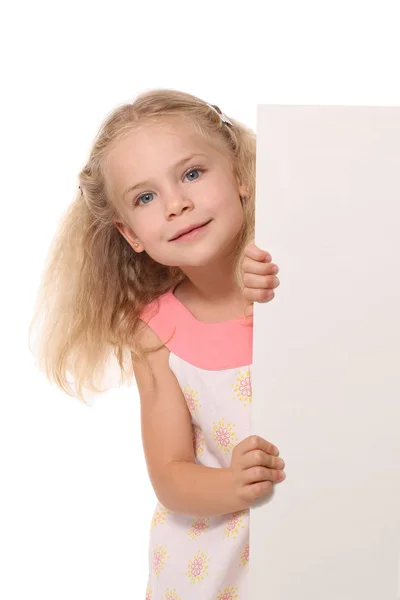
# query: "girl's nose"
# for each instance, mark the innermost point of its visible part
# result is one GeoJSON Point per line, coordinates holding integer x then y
{"type": "Point", "coordinates": [177, 204]}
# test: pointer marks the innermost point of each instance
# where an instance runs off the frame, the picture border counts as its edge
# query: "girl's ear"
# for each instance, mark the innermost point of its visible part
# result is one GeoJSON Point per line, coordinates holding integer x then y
{"type": "Point", "coordinates": [129, 235]}
{"type": "Point", "coordinates": [243, 191]}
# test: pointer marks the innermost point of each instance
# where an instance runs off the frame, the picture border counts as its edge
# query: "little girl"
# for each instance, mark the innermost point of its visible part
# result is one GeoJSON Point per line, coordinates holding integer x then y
{"type": "Point", "coordinates": [155, 264]}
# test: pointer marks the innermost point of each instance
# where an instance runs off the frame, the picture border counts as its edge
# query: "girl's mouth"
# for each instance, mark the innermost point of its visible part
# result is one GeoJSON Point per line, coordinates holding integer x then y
{"type": "Point", "coordinates": [188, 235]}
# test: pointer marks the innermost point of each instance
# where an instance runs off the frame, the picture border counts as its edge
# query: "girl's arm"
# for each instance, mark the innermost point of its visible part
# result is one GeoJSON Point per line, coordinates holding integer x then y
{"type": "Point", "coordinates": [180, 484]}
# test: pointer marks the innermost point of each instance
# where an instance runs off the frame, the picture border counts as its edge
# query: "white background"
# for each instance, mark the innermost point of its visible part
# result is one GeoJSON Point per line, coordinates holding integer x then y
{"type": "Point", "coordinates": [75, 499]}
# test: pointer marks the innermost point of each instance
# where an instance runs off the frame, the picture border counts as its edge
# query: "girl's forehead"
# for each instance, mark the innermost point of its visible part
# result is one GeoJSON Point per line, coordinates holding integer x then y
{"type": "Point", "coordinates": [162, 137]}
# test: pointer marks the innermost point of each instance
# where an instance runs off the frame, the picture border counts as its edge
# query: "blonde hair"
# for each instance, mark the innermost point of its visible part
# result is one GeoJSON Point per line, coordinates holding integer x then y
{"type": "Point", "coordinates": [94, 285]}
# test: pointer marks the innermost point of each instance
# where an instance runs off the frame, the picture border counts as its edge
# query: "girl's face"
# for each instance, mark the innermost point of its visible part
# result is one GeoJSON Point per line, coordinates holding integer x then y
{"type": "Point", "coordinates": [165, 178]}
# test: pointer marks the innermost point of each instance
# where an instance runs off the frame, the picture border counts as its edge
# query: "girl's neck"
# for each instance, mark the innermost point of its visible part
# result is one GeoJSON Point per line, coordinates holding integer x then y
{"type": "Point", "coordinates": [211, 298]}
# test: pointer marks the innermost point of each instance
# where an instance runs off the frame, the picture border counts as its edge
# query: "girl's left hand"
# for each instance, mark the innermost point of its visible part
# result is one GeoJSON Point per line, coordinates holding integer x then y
{"type": "Point", "coordinates": [259, 276]}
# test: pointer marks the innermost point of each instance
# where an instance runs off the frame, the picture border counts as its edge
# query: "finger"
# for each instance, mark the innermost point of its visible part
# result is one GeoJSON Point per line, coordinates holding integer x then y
{"type": "Point", "coordinates": [254, 252]}
{"type": "Point", "coordinates": [250, 280]}
{"type": "Point", "coordinates": [256, 474]}
{"type": "Point", "coordinates": [256, 490]}
{"type": "Point", "coordinates": [256, 442]}
{"type": "Point", "coordinates": [260, 458]}
{"type": "Point", "coordinates": [258, 295]}
{"type": "Point", "coordinates": [257, 267]}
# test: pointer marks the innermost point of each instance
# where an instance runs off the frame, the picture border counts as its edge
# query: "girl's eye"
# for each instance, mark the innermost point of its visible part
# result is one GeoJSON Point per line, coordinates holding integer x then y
{"type": "Point", "coordinates": [193, 171]}
{"type": "Point", "coordinates": [145, 198]}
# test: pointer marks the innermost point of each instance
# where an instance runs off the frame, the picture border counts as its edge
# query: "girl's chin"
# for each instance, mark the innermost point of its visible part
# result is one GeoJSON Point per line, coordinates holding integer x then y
{"type": "Point", "coordinates": [191, 256]}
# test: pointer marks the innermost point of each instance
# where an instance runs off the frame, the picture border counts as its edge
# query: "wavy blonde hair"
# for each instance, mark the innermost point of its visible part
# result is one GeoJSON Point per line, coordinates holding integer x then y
{"type": "Point", "coordinates": [94, 285]}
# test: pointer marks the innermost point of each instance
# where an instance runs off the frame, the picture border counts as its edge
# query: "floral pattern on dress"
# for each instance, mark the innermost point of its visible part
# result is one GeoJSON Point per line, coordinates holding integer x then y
{"type": "Point", "coordinates": [171, 595]}
{"type": "Point", "coordinates": [191, 398]}
{"type": "Point", "coordinates": [198, 567]}
{"type": "Point", "coordinates": [149, 594]}
{"type": "Point", "coordinates": [244, 559]}
{"type": "Point", "coordinates": [199, 526]}
{"type": "Point", "coordinates": [198, 441]}
{"type": "Point", "coordinates": [224, 435]}
{"type": "Point", "coordinates": [242, 387]}
{"type": "Point", "coordinates": [159, 516]}
{"type": "Point", "coordinates": [229, 593]}
{"type": "Point", "coordinates": [159, 556]}
{"type": "Point", "coordinates": [234, 524]}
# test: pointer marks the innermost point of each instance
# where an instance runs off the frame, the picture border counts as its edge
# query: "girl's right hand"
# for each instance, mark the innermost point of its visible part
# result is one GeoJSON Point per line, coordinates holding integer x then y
{"type": "Point", "coordinates": [255, 467]}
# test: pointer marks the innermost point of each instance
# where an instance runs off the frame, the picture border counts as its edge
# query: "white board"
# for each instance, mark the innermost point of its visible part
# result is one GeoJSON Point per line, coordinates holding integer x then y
{"type": "Point", "coordinates": [326, 375]}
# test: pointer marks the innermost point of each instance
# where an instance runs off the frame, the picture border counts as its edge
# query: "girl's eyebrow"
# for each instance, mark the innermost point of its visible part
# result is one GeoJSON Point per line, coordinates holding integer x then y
{"type": "Point", "coordinates": [178, 164]}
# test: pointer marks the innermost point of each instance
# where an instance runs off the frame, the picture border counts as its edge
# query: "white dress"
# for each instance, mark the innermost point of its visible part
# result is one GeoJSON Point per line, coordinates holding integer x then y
{"type": "Point", "coordinates": [191, 557]}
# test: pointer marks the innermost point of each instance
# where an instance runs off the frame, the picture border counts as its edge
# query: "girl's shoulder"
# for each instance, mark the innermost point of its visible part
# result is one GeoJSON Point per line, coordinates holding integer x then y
{"type": "Point", "coordinates": [159, 315]}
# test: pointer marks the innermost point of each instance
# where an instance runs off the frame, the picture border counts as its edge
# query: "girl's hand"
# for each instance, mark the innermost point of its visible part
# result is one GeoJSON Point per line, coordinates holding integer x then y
{"type": "Point", "coordinates": [259, 276]}
{"type": "Point", "coordinates": [255, 467]}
